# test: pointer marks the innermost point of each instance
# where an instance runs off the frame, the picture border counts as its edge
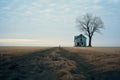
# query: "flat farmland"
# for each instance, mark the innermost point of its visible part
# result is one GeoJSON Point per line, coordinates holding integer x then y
{"type": "Point", "coordinates": [59, 63]}
{"type": "Point", "coordinates": [17, 51]}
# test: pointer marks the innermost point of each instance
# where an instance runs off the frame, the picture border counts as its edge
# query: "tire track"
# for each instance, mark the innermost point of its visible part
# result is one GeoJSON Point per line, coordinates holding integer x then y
{"type": "Point", "coordinates": [51, 64]}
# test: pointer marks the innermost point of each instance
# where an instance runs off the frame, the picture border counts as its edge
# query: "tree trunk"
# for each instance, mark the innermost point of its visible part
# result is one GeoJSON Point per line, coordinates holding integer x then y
{"type": "Point", "coordinates": [90, 39]}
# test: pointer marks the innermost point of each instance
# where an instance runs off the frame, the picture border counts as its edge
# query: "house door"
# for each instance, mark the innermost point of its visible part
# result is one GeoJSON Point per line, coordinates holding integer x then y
{"type": "Point", "coordinates": [78, 44]}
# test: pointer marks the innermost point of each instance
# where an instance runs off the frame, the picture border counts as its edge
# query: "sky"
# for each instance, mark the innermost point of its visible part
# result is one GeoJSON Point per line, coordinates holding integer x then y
{"type": "Point", "coordinates": [53, 22]}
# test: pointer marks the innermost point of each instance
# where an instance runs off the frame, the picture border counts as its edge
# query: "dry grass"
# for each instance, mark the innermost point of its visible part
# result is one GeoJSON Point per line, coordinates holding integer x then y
{"type": "Point", "coordinates": [103, 58]}
{"type": "Point", "coordinates": [112, 50]}
{"type": "Point", "coordinates": [17, 51]}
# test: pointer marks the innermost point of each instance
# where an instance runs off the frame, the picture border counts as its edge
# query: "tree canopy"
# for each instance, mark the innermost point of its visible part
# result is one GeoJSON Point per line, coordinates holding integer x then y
{"type": "Point", "coordinates": [90, 24]}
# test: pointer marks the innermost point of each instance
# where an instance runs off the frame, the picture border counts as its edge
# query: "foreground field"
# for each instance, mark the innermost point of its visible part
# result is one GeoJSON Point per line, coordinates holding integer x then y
{"type": "Point", "coordinates": [73, 63]}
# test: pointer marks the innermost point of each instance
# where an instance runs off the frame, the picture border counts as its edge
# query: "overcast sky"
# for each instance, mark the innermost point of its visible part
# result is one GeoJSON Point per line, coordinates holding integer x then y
{"type": "Point", "coordinates": [53, 22]}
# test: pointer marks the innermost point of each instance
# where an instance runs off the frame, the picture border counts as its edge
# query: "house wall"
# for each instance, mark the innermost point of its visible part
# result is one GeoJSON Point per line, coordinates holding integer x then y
{"type": "Point", "coordinates": [77, 41]}
{"type": "Point", "coordinates": [84, 41]}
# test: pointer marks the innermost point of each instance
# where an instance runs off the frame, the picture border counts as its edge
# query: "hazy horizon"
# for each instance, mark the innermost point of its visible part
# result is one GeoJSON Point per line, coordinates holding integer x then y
{"type": "Point", "coordinates": [53, 23]}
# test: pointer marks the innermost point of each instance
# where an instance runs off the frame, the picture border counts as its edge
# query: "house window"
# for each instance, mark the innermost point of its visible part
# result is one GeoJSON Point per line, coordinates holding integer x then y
{"type": "Point", "coordinates": [81, 43]}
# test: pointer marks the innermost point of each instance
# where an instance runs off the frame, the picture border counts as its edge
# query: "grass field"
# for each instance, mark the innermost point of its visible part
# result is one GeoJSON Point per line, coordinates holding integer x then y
{"type": "Point", "coordinates": [104, 58]}
{"type": "Point", "coordinates": [64, 63]}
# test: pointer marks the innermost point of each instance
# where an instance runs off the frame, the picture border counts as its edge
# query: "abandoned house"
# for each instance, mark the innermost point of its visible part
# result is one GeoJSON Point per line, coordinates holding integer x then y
{"type": "Point", "coordinates": [80, 41]}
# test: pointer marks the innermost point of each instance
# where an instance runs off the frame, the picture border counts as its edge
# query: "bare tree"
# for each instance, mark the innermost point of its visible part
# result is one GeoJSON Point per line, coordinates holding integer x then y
{"type": "Point", "coordinates": [90, 24]}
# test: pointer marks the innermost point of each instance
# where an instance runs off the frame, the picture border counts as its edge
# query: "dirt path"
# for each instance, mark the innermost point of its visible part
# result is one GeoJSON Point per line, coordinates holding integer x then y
{"type": "Point", "coordinates": [50, 64]}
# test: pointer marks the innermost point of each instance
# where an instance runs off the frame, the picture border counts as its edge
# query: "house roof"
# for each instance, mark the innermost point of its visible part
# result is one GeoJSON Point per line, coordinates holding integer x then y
{"type": "Point", "coordinates": [81, 35]}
